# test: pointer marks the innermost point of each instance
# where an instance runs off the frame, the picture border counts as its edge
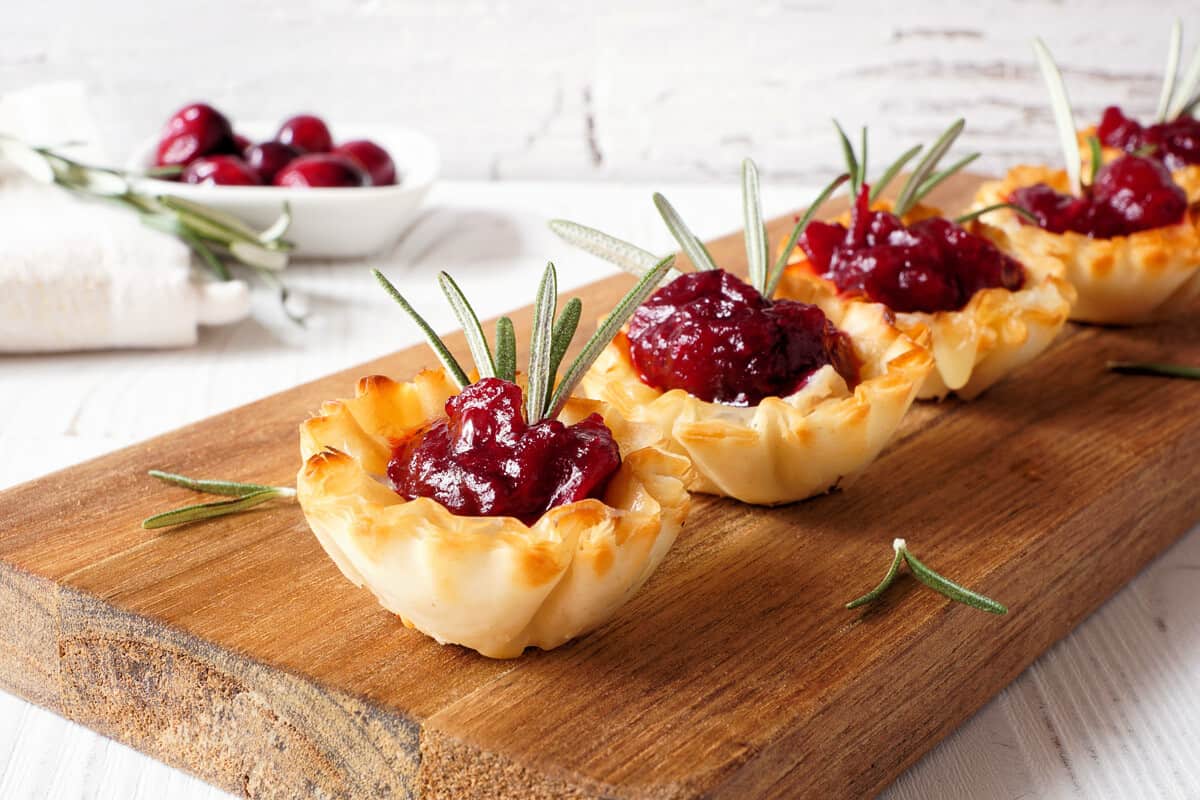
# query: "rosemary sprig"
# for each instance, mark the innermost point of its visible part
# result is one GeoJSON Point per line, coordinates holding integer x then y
{"type": "Point", "coordinates": [1097, 155]}
{"type": "Point", "coordinates": [692, 247]}
{"type": "Point", "coordinates": [1187, 95]}
{"type": "Point", "coordinates": [549, 341]}
{"type": "Point", "coordinates": [1064, 119]}
{"type": "Point", "coordinates": [541, 382]}
{"type": "Point", "coordinates": [933, 580]}
{"type": "Point", "coordinates": [852, 166]}
{"type": "Point", "coordinates": [755, 233]}
{"type": "Point", "coordinates": [476, 339]}
{"type": "Point", "coordinates": [209, 232]}
{"type": "Point", "coordinates": [892, 171]}
{"type": "Point", "coordinates": [628, 257]}
{"type": "Point", "coordinates": [1174, 49]}
{"type": "Point", "coordinates": [246, 496]}
{"type": "Point", "coordinates": [797, 231]}
{"type": "Point", "coordinates": [1156, 369]}
{"type": "Point", "coordinates": [970, 216]}
{"type": "Point", "coordinates": [920, 183]}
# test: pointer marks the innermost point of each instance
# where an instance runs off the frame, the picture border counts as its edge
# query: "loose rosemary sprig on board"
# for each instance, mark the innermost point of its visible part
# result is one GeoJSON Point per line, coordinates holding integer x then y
{"type": "Point", "coordinates": [933, 580]}
{"type": "Point", "coordinates": [246, 496]}
{"type": "Point", "coordinates": [212, 234]}
{"type": "Point", "coordinates": [1156, 369]}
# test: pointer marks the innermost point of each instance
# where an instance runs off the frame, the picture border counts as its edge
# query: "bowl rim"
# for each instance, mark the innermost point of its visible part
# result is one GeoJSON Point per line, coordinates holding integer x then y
{"type": "Point", "coordinates": [425, 166]}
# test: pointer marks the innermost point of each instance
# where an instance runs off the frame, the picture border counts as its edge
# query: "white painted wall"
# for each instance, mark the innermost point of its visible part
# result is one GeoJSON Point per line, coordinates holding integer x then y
{"type": "Point", "coordinates": [626, 89]}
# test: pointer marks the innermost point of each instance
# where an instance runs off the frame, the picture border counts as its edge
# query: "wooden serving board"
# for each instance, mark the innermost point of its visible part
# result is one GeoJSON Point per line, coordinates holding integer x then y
{"type": "Point", "coordinates": [235, 649]}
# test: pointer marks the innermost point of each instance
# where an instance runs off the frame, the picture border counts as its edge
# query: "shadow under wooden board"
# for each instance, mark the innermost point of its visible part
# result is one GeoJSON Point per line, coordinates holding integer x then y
{"type": "Point", "coordinates": [235, 649]}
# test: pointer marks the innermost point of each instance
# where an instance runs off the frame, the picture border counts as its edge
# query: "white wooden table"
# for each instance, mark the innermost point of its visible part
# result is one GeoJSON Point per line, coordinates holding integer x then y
{"type": "Point", "coordinates": [1113, 711]}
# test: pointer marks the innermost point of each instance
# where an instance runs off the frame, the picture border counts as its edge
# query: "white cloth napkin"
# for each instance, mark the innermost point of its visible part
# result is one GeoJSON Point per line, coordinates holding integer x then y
{"type": "Point", "coordinates": [78, 275]}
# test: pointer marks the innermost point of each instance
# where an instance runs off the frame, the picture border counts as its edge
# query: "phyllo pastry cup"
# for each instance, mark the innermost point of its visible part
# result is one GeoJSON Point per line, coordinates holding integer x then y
{"type": "Point", "coordinates": [996, 332]}
{"type": "Point", "coordinates": [1126, 280]}
{"type": "Point", "coordinates": [493, 584]}
{"type": "Point", "coordinates": [785, 448]}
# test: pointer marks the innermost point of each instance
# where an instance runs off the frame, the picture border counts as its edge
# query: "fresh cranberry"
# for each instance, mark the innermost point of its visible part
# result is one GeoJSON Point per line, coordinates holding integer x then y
{"type": "Point", "coordinates": [1176, 143]}
{"type": "Point", "coordinates": [193, 131]}
{"type": "Point", "coordinates": [371, 157]}
{"type": "Point", "coordinates": [267, 158]}
{"type": "Point", "coordinates": [241, 144]}
{"type": "Point", "coordinates": [1130, 194]}
{"type": "Point", "coordinates": [931, 265]}
{"type": "Point", "coordinates": [221, 171]}
{"type": "Point", "coordinates": [321, 170]}
{"type": "Point", "coordinates": [718, 339]}
{"type": "Point", "coordinates": [484, 460]}
{"type": "Point", "coordinates": [306, 133]}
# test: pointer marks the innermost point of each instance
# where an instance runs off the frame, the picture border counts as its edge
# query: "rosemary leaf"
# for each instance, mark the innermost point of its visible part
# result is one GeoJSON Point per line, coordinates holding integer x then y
{"type": "Point", "coordinates": [1064, 119]}
{"type": "Point", "coordinates": [538, 388]}
{"type": "Point", "coordinates": [755, 231]}
{"type": "Point", "coordinates": [891, 172]}
{"type": "Point", "coordinates": [30, 160]}
{"type": "Point", "coordinates": [864, 176]}
{"type": "Point", "coordinates": [253, 254]}
{"type": "Point", "coordinates": [564, 332]}
{"type": "Point", "coordinates": [506, 350]}
{"type": "Point", "coordinates": [780, 265]}
{"type": "Point", "coordinates": [227, 488]}
{"type": "Point", "coordinates": [1186, 94]}
{"type": "Point", "coordinates": [856, 176]}
{"type": "Point", "coordinates": [1097, 158]}
{"type": "Point", "coordinates": [453, 370]}
{"type": "Point", "coordinates": [1156, 369]}
{"type": "Point", "coordinates": [979, 212]}
{"type": "Point", "coordinates": [934, 180]}
{"type": "Point", "coordinates": [167, 171]}
{"type": "Point", "coordinates": [225, 226]}
{"type": "Point", "coordinates": [605, 333]}
{"type": "Point", "coordinates": [214, 264]}
{"type": "Point", "coordinates": [274, 233]}
{"type": "Point", "coordinates": [884, 584]}
{"type": "Point", "coordinates": [692, 247]}
{"type": "Point", "coordinates": [1174, 49]}
{"type": "Point", "coordinates": [220, 508]}
{"type": "Point", "coordinates": [949, 588]}
{"type": "Point", "coordinates": [476, 339]}
{"type": "Point", "coordinates": [925, 167]}
{"type": "Point", "coordinates": [628, 257]}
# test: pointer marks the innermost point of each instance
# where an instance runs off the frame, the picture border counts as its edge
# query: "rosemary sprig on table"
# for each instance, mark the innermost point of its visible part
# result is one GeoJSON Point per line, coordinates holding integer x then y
{"type": "Point", "coordinates": [933, 580]}
{"type": "Point", "coordinates": [213, 235]}
{"type": "Point", "coordinates": [545, 393]}
{"type": "Point", "coordinates": [247, 496]}
{"type": "Point", "coordinates": [1155, 368]}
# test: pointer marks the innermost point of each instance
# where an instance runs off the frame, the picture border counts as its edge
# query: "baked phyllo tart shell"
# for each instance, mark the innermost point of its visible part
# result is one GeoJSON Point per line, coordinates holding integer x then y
{"type": "Point", "coordinates": [492, 584]}
{"type": "Point", "coordinates": [785, 448]}
{"type": "Point", "coordinates": [1126, 280]}
{"type": "Point", "coordinates": [996, 332]}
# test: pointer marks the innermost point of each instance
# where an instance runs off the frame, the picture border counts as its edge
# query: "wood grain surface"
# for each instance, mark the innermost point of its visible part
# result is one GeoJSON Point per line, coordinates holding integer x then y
{"type": "Point", "coordinates": [234, 649]}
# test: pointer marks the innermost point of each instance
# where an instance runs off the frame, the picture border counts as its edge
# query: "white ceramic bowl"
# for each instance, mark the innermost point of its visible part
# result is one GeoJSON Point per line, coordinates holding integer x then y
{"type": "Point", "coordinates": [326, 223]}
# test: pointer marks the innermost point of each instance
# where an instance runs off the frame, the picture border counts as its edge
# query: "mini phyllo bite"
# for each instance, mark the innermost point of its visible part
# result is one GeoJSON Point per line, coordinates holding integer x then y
{"type": "Point", "coordinates": [1173, 138]}
{"type": "Point", "coordinates": [490, 513]}
{"type": "Point", "coordinates": [1127, 238]}
{"type": "Point", "coordinates": [986, 313]}
{"type": "Point", "coordinates": [772, 401]}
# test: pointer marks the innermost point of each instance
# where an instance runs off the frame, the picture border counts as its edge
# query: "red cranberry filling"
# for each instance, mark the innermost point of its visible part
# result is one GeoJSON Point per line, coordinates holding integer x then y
{"type": "Point", "coordinates": [930, 265]}
{"type": "Point", "coordinates": [484, 460]}
{"type": "Point", "coordinates": [720, 340]}
{"type": "Point", "coordinates": [1175, 143]}
{"type": "Point", "coordinates": [1129, 194]}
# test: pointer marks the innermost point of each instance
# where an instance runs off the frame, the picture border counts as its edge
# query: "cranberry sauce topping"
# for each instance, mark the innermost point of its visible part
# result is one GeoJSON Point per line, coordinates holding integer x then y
{"type": "Point", "coordinates": [930, 265]}
{"type": "Point", "coordinates": [719, 339]}
{"type": "Point", "coordinates": [484, 460]}
{"type": "Point", "coordinates": [1175, 143]}
{"type": "Point", "coordinates": [1129, 194]}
